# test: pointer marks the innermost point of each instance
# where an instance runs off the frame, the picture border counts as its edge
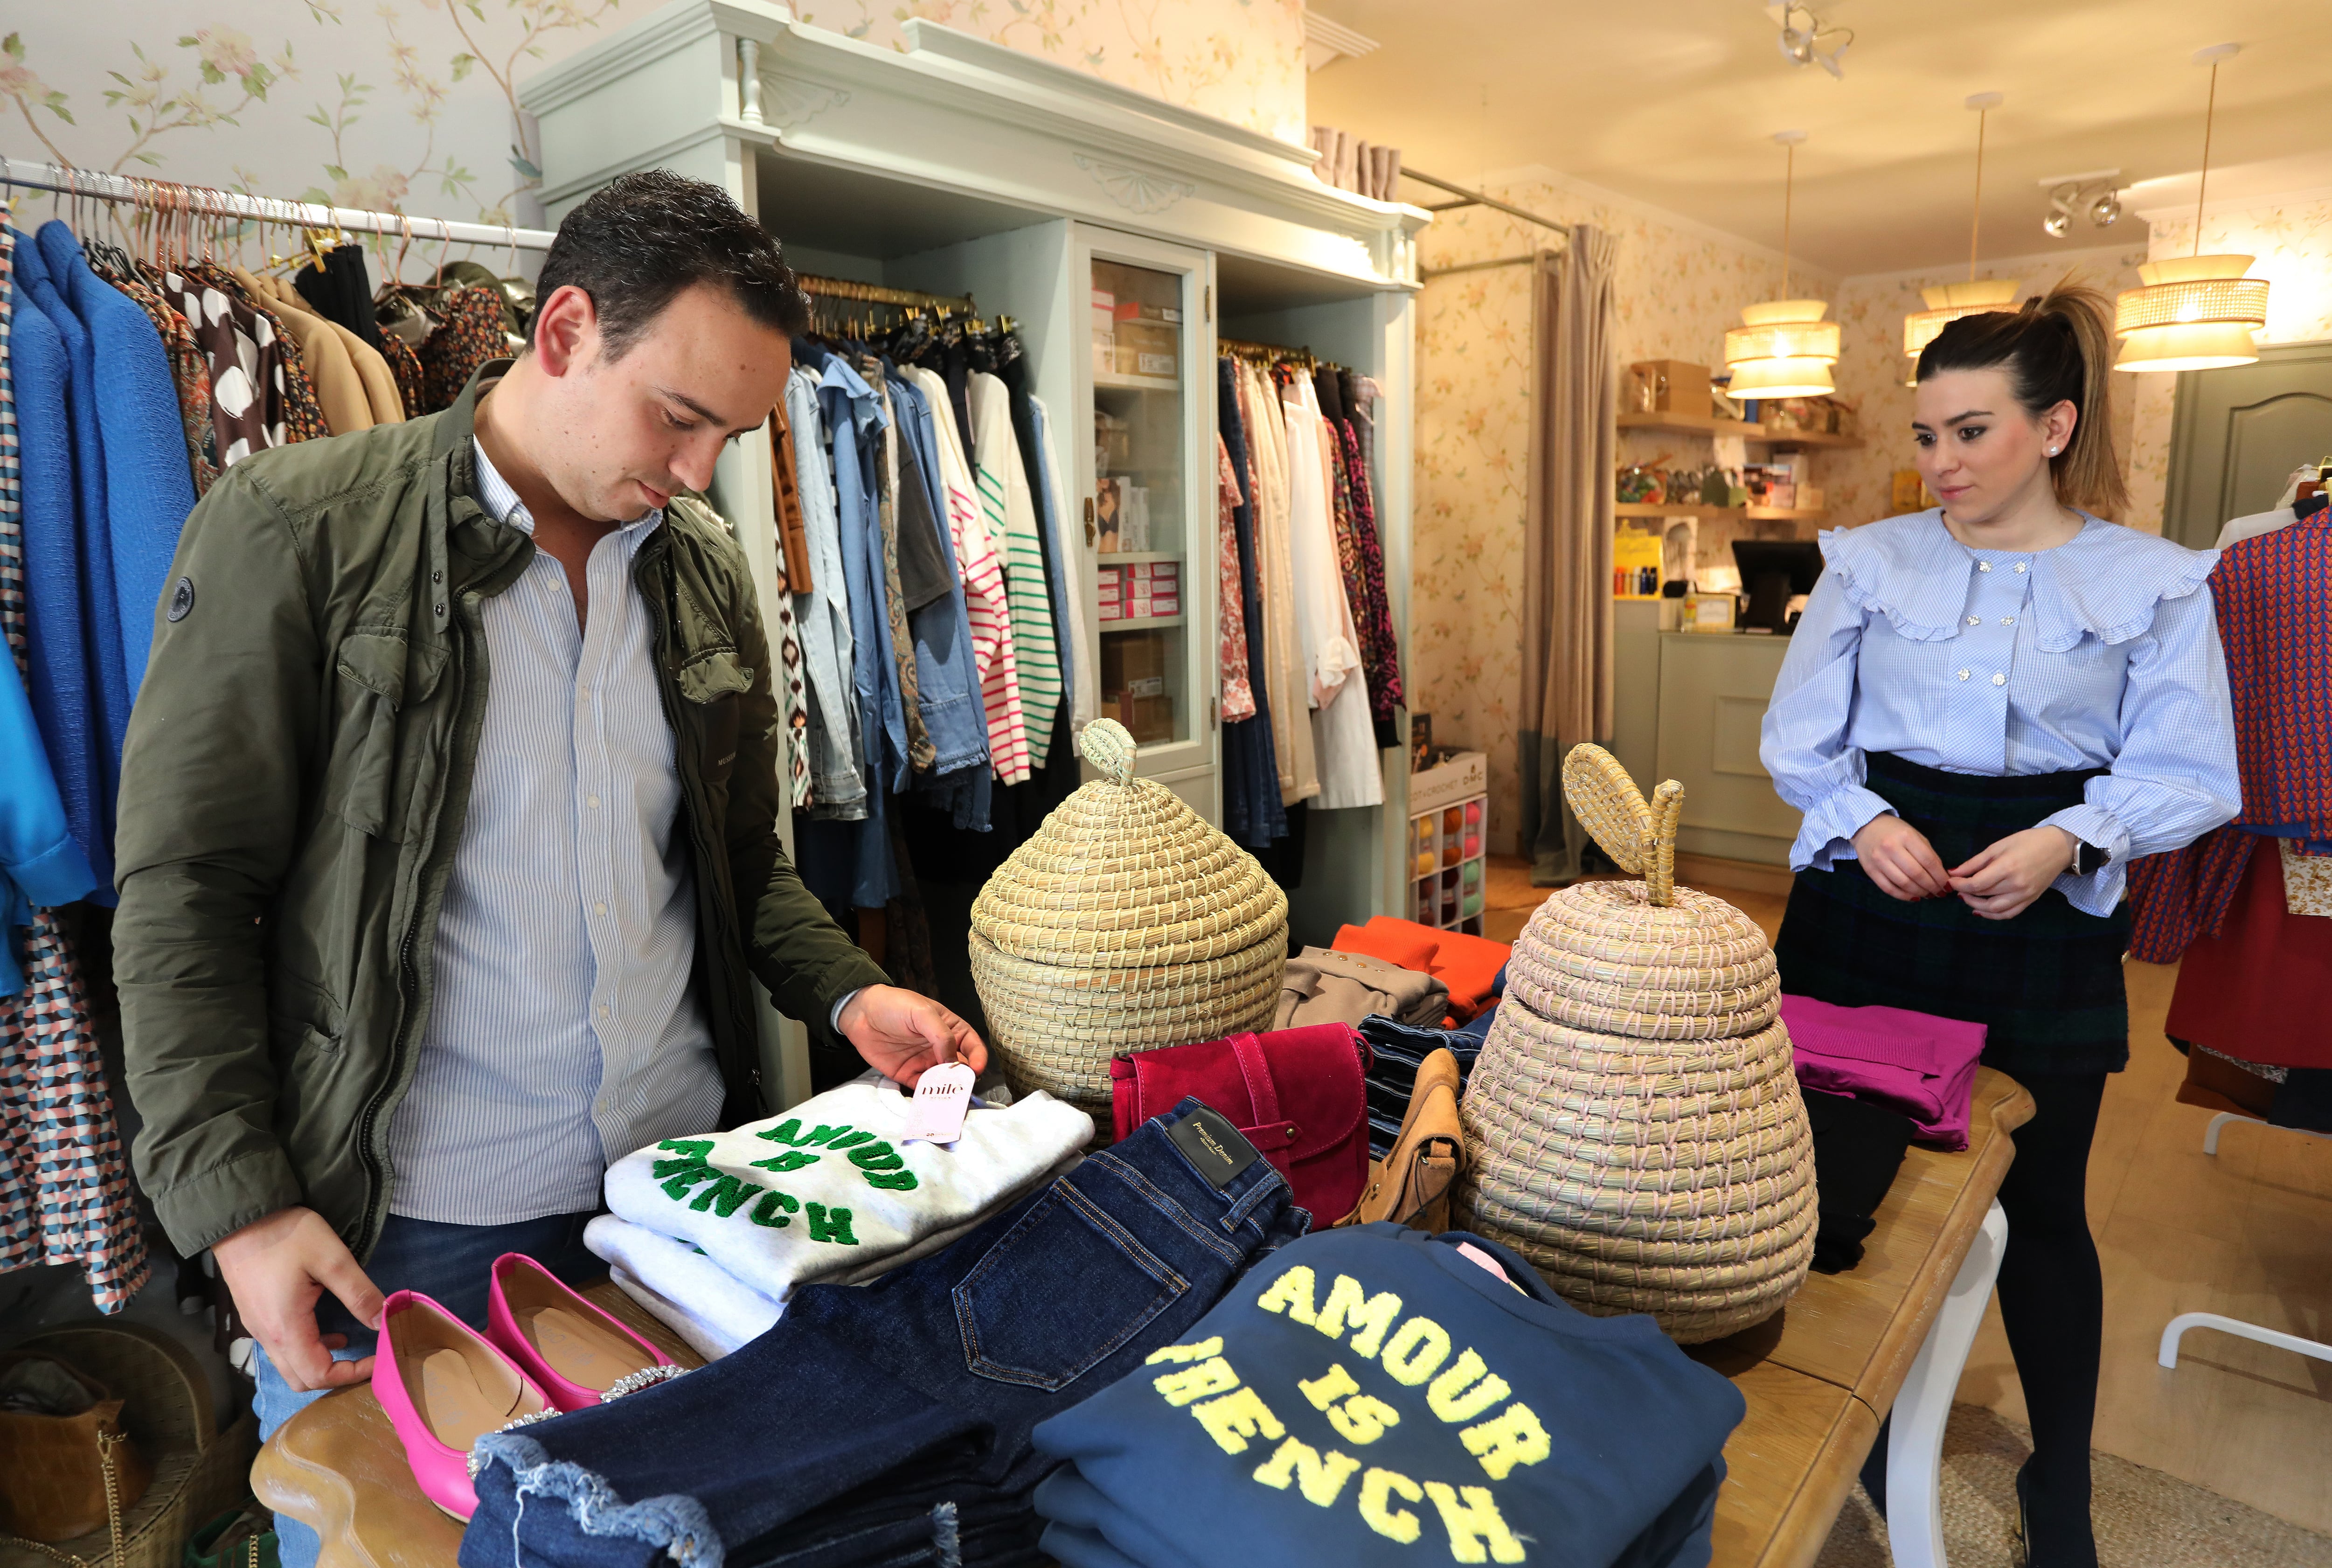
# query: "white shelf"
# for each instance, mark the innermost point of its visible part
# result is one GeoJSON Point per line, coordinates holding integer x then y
{"type": "Point", "coordinates": [1135, 557]}
{"type": "Point", "coordinates": [1119, 381]}
{"type": "Point", "coordinates": [1139, 624]}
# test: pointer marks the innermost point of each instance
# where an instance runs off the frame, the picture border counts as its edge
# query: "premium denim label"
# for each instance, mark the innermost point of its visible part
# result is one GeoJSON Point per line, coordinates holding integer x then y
{"type": "Point", "coordinates": [1213, 1145]}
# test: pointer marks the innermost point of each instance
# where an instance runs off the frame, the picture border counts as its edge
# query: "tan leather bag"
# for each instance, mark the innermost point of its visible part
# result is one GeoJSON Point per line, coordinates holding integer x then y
{"type": "Point", "coordinates": [69, 1474]}
{"type": "Point", "coordinates": [1410, 1185]}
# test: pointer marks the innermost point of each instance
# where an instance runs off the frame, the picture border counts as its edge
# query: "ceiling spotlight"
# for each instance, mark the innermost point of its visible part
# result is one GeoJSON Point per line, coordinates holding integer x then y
{"type": "Point", "coordinates": [2094, 196]}
{"type": "Point", "coordinates": [1807, 40]}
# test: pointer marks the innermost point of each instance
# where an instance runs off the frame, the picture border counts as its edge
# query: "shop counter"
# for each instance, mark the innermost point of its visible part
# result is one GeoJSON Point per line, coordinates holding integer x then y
{"type": "Point", "coordinates": [1891, 1333]}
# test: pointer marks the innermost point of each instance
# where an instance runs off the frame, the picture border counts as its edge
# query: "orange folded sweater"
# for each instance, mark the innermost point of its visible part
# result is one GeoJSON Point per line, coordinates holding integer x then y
{"type": "Point", "coordinates": [1467, 965]}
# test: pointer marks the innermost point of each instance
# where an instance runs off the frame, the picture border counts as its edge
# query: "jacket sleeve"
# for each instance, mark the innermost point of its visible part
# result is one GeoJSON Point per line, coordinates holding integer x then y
{"type": "Point", "coordinates": [795, 950]}
{"type": "Point", "coordinates": [210, 790]}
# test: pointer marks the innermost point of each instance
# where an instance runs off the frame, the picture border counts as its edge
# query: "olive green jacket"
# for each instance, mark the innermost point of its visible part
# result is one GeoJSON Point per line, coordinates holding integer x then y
{"type": "Point", "coordinates": [296, 777]}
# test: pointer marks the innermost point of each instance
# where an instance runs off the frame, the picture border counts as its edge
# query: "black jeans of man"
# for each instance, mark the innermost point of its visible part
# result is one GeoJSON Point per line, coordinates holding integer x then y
{"type": "Point", "coordinates": [888, 1423]}
{"type": "Point", "coordinates": [2052, 1304]}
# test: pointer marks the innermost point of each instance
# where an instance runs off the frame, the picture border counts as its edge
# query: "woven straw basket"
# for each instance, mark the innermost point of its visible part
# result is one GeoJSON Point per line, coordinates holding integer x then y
{"type": "Point", "coordinates": [1633, 1122]}
{"type": "Point", "coordinates": [1125, 923]}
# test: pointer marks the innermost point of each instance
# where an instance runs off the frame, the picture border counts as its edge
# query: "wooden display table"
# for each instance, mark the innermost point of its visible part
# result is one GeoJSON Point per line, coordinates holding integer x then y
{"type": "Point", "coordinates": [1818, 1376]}
{"type": "Point", "coordinates": [1822, 1373]}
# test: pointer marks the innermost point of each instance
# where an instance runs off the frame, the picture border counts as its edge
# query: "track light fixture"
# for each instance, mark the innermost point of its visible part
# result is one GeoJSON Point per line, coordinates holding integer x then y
{"type": "Point", "coordinates": [2094, 196]}
{"type": "Point", "coordinates": [1807, 40]}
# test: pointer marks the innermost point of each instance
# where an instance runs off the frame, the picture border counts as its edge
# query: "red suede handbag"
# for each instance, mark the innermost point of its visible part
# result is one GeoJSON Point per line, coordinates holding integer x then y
{"type": "Point", "coordinates": [1298, 1095]}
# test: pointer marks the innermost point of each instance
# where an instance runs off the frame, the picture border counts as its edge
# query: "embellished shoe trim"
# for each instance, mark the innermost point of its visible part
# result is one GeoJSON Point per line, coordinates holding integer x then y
{"type": "Point", "coordinates": [633, 1383]}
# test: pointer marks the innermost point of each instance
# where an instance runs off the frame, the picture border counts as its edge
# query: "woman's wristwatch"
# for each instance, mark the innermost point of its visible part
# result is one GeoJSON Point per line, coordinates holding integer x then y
{"type": "Point", "coordinates": [2088, 858]}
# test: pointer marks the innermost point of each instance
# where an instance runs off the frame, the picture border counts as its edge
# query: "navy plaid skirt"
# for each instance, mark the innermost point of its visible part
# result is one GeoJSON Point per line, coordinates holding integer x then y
{"type": "Point", "coordinates": [2047, 985]}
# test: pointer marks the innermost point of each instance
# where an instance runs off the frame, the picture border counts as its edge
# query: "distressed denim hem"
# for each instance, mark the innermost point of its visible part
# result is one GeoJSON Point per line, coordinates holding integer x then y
{"type": "Point", "coordinates": [674, 1522]}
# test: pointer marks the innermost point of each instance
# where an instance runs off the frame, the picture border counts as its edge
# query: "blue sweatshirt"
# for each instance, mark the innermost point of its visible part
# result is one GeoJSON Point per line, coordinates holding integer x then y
{"type": "Point", "coordinates": [1372, 1395]}
{"type": "Point", "coordinates": [39, 863]}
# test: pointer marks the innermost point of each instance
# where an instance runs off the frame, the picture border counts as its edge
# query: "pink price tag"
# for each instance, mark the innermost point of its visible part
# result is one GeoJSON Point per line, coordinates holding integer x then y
{"type": "Point", "coordinates": [942, 1096]}
{"type": "Point", "coordinates": [1467, 1249]}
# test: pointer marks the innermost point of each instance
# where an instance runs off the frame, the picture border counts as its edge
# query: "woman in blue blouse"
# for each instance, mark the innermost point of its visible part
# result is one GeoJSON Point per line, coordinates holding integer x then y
{"type": "Point", "coordinates": [1987, 712]}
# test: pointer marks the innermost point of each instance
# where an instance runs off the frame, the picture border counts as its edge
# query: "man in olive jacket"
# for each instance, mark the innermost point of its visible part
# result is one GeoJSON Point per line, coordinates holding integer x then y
{"type": "Point", "coordinates": [448, 825]}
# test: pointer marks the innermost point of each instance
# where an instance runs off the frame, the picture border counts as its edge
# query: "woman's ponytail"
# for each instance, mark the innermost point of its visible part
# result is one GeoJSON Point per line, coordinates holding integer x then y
{"type": "Point", "coordinates": [2058, 349]}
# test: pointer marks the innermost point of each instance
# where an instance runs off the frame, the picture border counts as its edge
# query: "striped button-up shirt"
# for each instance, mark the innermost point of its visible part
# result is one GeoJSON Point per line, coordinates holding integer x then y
{"type": "Point", "coordinates": [2100, 653]}
{"type": "Point", "coordinates": [564, 1030]}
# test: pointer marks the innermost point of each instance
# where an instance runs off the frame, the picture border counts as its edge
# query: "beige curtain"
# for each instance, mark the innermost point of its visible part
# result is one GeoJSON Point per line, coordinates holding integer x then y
{"type": "Point", "coordinates": [1567, 552]}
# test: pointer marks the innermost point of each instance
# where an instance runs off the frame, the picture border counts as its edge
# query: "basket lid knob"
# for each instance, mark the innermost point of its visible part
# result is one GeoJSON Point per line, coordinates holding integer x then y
{"type": "Point", "coordinates": [1107, 745]}
{"type": "Point", "coordinates": [1638, 836]}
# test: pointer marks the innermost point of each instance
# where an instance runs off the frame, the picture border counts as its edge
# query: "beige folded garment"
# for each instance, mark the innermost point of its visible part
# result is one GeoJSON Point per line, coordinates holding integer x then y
{"type": "Point", "coordinates": [1327, 987]}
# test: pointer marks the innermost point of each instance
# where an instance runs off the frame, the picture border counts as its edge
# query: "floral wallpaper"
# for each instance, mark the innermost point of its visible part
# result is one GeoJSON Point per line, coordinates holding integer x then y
{"type": "Point", "coordinates": [412, 105]}
{"type": "Point", "coordinates": [1871, 369]}
{"type": "Point", "coordinates": [1678, 290]}
{"type": "Point", "coordinates": [2293, 242]}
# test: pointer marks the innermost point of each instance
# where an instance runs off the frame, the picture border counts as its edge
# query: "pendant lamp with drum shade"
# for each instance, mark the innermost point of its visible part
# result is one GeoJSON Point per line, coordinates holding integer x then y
{"type": "Point", "coordinates": [1783, 349]}
{"type": "Point", "coordinates": [1947, 302]}
{"type": "Point", "coordinates": [2195, 312]}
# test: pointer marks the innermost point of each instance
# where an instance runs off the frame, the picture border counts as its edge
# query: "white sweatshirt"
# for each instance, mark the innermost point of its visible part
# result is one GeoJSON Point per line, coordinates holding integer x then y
{"type": "Point", "coordinates": [826, 1191]}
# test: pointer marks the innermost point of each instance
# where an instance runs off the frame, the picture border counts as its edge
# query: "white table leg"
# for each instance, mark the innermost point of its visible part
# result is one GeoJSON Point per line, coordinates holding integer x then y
{"type": "Point", "coordinates": [1915, 1441]}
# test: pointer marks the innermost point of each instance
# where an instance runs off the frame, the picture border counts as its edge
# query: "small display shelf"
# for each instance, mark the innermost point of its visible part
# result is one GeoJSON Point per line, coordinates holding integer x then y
{"type": "Point", "coordinates": [1448, 871]}
{"type": "Point", "coordinates": [1709, 425]}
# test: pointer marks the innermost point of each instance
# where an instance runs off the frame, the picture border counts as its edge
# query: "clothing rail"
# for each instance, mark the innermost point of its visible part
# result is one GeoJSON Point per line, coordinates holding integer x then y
{"type": "Point", "coordinates": [876, 294]}
{"type": "Point", "coordinates": [1271, 353]}
{"type": "Point", "coordinates": [1430, 273]}
{"type": "Point", "coordinates": [1468, 198]}
{"type": "Point", "coordinates": [203, 201]}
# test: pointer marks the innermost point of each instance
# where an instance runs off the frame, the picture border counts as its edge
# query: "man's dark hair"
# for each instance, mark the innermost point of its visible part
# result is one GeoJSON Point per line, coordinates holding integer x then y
{"type": "Point", "coordinates": [642, 239]}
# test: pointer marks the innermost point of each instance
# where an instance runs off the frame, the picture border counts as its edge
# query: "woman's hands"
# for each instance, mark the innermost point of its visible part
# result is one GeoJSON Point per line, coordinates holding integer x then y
{"type": "Point", "coordinates": [1899, 859]}
{"type": "Point", "coordinates": [1999, 882]}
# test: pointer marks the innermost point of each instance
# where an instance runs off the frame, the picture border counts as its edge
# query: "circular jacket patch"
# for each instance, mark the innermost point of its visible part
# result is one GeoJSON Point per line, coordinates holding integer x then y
{"type": "Point", "coordinates": [182, 599]}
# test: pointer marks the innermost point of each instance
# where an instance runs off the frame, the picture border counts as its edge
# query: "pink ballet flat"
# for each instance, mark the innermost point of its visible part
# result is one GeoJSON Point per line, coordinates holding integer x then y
{"type": "Point", "coordinates": [578, 1354]}
{"type": "Point", "coordinates": [445, 1387]}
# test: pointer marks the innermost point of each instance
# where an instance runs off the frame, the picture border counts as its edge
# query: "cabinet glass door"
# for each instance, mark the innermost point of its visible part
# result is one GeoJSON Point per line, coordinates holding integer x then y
{"type": "Point", "coordinates": [1150, 531]}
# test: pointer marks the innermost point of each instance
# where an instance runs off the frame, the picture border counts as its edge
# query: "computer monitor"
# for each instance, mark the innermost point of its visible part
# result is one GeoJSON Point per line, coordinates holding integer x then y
{"type": "Point", "coordinates": [1771, 570]}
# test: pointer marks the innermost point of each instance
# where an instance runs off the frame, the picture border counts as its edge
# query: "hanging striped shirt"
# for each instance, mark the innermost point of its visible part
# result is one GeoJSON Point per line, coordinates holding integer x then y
{"type": "Point", "coordinates": [1011, 512]}
{"type": "Point", "coordinates": [986, 600]}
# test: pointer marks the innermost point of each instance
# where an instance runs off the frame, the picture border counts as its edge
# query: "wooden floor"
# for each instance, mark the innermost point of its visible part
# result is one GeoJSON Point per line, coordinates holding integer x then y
{"type": "Point", "coordinates": [2248, 1234]}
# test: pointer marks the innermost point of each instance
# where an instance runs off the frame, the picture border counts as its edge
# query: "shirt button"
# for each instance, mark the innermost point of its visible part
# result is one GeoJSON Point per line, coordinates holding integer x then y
{"type": "Point", "coordinates": [2020, 566]}
{"type": "Point", "coordinates": [1999, 679]}
{"type": "Point", "coordinates": [603, 1009]}
{"type": "Point", "coordinates": [592, 802]}
{"type": "Point", "coordinates": [598, 909]}
{"type": "Point", "coordinates": [2008, 620]}
{"type": "Point", "coordinates": [1975, 620]}
{"type": "Point", "coordinates": [1983, 566]}
{"type": "Point", "coordinates": [1963, 674]}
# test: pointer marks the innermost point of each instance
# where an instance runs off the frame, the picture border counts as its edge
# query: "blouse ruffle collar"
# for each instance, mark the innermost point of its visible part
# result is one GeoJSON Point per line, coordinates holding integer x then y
{"type": "Point", "coordinates": [2104, 581]}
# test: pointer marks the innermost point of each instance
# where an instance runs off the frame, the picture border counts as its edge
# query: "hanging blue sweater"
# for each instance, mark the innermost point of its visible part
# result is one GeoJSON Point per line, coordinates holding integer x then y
{"type": "Point", "coordinates": [63, 688]}
{"type": "Point", "coordinates": [1372, 1396]}
{"type": "Point", "coordinates": [148, 487]}
{"type": "Point", "coordinates": [39, 863]}
{"type": "Point", "coordinates": [100, 608]}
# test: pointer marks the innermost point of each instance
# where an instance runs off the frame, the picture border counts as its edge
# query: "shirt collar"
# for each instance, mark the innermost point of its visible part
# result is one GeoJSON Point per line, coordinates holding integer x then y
{"type": "Point", "coordinates": [2105, 580]}
{"type": "Point", "coordinates": [502, 503]}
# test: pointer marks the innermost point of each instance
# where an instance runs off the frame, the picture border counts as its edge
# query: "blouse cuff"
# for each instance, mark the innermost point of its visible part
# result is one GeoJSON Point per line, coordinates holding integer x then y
{"type": "Point", "coordinates": [2101, 890]}
{"type": "Point", "coordinates": [1827, 835]}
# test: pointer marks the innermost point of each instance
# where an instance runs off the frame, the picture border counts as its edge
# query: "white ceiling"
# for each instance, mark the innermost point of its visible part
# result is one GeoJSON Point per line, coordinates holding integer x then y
{"type": "Point", "coordinates": [1675, 103]}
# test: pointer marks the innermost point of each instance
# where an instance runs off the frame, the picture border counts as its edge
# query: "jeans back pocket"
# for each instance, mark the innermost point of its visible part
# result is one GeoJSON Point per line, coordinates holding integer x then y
{"type": "Point", "coordinates": [1060, 1291]}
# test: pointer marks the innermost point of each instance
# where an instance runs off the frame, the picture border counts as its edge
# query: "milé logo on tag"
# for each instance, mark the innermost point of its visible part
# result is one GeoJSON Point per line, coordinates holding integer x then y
{"type": "Point", "coordinates": [1216, 1147]}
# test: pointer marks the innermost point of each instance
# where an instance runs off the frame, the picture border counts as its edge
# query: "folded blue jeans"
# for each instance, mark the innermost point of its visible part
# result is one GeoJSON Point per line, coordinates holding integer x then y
{"type": "Point", "coordinates": [900, 1411]}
